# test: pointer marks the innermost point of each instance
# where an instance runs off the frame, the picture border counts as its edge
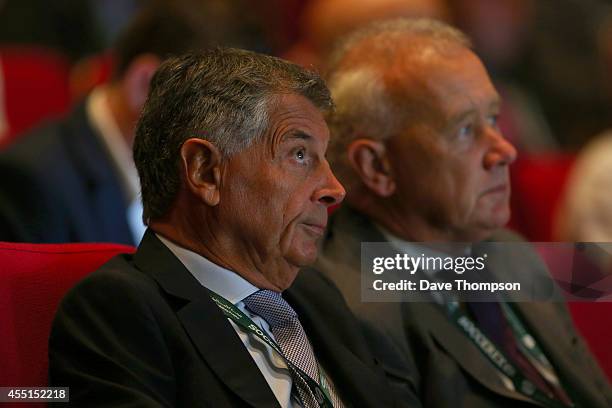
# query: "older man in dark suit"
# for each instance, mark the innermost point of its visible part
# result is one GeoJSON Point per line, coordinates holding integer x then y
{"type": "Point", "coordinates": [230, 151]}
{"type": "Point", "coordinates": [416, 143]}
{"type": "Point", "coordinates": [74, 180]}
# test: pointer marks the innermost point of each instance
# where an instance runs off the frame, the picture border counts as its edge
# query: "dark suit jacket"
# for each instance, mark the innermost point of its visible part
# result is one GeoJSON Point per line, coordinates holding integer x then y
{"type": "Point", "coordinates": [59, 184]}
{"type": "Point", "coordinates": [429, 356]}
{"type": "Point", "coordinates": [141, 331]}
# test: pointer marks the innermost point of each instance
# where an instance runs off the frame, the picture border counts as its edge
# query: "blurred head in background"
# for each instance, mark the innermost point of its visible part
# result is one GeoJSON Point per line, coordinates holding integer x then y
{"type": "Point", "coordinates": [165, 28]}
{"type": "Point", "coordinates": [323, 22]}
{"type": "Point", "coordinates": [157, 32]}
{"type": "Point", "coordinates": [499, 29]}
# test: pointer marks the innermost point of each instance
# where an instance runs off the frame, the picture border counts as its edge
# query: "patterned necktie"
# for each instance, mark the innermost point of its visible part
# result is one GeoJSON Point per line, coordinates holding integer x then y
{"type": "Point", "coordinates": [291, 338]}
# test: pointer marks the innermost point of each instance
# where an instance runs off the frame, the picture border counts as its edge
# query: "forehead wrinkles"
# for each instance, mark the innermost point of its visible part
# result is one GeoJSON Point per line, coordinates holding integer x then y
{"type": "Point", "coordinates": [426, 81]}
{"type": "Point", "coordinates": [278, 111]}
{"type": "Point", "coordinates": [409, 86]}
{"type": "Point", "coordinates": [405, 63]}
{"type": "Point", "coordinates": [289, 112]}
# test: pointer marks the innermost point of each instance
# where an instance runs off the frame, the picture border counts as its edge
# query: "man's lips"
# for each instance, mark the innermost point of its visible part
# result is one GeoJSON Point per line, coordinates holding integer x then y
{"type": "Point", "coordinates": [317, 229]}
{"type": "Point", "coordinates": [500, 188]}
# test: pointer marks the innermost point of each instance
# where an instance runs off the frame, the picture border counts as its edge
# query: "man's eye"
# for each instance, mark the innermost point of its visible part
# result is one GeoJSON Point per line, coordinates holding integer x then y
{"type": "Point", "coordinates": [300, 155]}
{"type": "Point", "coordinates": [492, 120]}
{"type": "Point", "coordinates": [466, 131]}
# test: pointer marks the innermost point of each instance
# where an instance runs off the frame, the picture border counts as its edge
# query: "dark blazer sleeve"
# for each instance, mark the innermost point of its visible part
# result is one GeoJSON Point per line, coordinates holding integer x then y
{"type": "Point", "coordinates": [107, 344]}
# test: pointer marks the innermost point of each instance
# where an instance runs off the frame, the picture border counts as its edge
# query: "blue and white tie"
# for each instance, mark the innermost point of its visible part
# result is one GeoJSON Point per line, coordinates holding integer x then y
{"type": "Point", "coordinates": [292, 340]}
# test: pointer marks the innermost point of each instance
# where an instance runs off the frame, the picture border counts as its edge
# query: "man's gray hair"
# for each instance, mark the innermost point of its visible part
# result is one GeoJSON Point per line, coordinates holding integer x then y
{"type": "Point", "coordinates": [365, 104]}
{"type": "Point", "coordinates": [223, 96]}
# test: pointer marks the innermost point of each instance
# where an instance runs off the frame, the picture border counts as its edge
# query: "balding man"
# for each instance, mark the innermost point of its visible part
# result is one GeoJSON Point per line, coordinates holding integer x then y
{"type": "Point", "coordinates": [417, 146]}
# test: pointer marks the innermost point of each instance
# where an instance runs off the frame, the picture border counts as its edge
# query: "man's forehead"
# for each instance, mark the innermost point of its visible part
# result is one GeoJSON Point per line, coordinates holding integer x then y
{"type": "Point", "coordinates": [421, 62]}
{"type": "Point", "coordinates": [431, 77]}
{"type": "Point", "coordinates": [304, 134]}
{"type": "Point", "coordinates": [295, 117]}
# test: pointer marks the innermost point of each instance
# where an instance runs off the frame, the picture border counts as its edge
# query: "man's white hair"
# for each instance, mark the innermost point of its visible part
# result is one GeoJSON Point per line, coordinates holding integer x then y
{"type": "Point", "coordinates": [365, 106]}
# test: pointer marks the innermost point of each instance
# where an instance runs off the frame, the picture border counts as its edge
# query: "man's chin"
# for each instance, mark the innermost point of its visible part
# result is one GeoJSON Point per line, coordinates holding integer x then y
{"type": "Point", "coordinates": [487, 224]}
{"type": "Point", "coordinates": [304, 256]}
{"type": "Point", "coordinates": [496, 215]}
{"type": "Point", "coordinates": [492, 225]}
{"type": "Point", "coordinates": [501, 217]}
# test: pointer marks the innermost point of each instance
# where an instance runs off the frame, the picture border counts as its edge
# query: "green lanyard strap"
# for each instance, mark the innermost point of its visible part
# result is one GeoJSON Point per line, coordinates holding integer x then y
{"type": "Point", "coordinates": [498, 358]}
{"type": "Point", "coordinates": [320, 391]}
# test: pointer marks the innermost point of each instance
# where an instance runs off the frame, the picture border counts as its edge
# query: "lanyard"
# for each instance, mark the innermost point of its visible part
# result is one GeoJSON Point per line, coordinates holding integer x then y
{"type": "Point", "coordinates": [321, 392]}
{"type": "Point", "coordinates": [498, 358]}
{"type": "Point", "coordinates": [529, 347]}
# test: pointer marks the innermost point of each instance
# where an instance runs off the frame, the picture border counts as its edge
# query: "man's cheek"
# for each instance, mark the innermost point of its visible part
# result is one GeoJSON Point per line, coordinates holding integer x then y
{"type": "Point", "coordinates": [286, 238]}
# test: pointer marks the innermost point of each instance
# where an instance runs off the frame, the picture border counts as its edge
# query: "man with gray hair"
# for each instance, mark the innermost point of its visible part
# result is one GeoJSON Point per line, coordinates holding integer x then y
{"type": "Point", "coordinates": [230, 150]}
{"type": "Point", "coordinates": [416, 144]}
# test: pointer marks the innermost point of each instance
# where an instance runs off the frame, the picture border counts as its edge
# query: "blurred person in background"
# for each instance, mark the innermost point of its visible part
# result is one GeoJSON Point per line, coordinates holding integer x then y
{"type": "Point", "coordinates": [3, 121]}
{"type": "Point", "coordinates": [585, 213]}
{"type": "Point", "coordinates": [222, 21]}
{"type": "Point", "coordinates": [323, 22]}
{"type": "Point", "coordinates": [68, 26]}
{"type": "Point", "coordinates": [40, 41]}
{"type": "Point", "coordinates": [564, 70]}
{"type": "Point", "coordinates": [501, 31]}
{"type": "Point", "coordinates": [74, 180]}
{"type": "Point", "coordinates": [416, 143]}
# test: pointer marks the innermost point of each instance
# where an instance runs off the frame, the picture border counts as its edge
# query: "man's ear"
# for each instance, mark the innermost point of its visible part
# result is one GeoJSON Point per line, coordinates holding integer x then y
{"type": "Point", "coordinates": [137, 78]}
{"type": "Point", "coordinates": [369, 160]}
{"type": "Point", "coordinates": [201, 166]}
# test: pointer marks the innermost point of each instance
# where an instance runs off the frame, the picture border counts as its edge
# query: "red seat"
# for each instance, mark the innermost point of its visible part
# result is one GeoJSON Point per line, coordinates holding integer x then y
{"type": "Point", "coordinates": [36, 87]}
{"type": "Point", "coordinates": [538, 183]}
{"type": "Point", "coordinates": [594, 321]}
{"type": "Point", "coordinates": [33, 279]}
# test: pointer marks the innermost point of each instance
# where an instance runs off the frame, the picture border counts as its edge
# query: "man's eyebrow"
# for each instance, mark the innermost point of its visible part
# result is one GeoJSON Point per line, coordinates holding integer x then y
{"type": "Point", "coordinates": [461, 116]}
{"type": "Point", "coordinates": [495, 104]}
{"type": "Point", "coordinates": [297, 134]}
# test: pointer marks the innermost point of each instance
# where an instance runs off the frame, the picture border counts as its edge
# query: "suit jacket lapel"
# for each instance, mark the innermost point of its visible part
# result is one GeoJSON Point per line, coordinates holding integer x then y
{"type": "Point", "coordinates": [559, 342]}
{"type": "Point", "coordinates": [209, 330]}
{"type": "Point", "coordinates": [549, 322]}
{"type": "Point", "coordinates": [358, 228]}
{"type": "Point", "coordinates": [462, 350]}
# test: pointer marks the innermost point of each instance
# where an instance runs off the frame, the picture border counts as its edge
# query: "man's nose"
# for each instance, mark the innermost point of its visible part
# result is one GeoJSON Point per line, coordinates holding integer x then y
{"type": "Point", "coordinates": [501, 152]}
{"type": "Point", "coordinates": [331, 192]}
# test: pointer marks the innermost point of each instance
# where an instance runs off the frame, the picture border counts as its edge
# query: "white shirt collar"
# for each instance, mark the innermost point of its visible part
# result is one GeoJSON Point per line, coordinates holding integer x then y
{"type": "Point", "coordinates": [224, 282]}
{"type": "Point", "coordinates": [416, 249]}
{"type": "Point", "coordinates": [102, 120]}
{"type": "Point", "coordinates": [409, 248]}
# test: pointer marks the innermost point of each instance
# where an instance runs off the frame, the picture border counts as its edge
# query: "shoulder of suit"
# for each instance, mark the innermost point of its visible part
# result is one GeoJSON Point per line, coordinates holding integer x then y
{"type": "Point", "coordinates": [116, 278]}
{"type": "Point", "coordinates": [310, 280]}
{"type": "Point", "coordinates": [506, 235]}
{"type": "Point", "coordinates": [319, 291]}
